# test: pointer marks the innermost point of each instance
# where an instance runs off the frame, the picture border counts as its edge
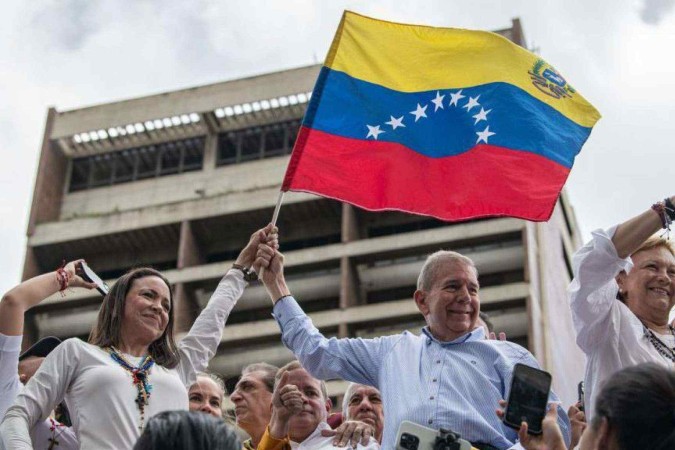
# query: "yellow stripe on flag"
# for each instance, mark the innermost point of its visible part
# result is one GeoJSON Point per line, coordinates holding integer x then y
{"type": "Point", "coordinates": [413, 58]}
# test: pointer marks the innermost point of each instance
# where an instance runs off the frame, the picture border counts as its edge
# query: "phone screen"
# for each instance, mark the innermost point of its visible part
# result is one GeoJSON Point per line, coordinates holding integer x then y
{"type": "Point", "coordinates": [528, 398]}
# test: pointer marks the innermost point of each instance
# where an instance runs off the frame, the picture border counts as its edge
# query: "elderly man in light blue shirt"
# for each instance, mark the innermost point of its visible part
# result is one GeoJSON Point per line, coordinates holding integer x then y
{"type": "Point", "coordinates": [448, 377]}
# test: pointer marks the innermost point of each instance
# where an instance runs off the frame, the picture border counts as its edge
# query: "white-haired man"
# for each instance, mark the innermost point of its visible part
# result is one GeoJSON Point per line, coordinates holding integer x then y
{"type": "Point", "coordinates": [448, 377]}
{"type": "Point", "coordinates": [364, 403]}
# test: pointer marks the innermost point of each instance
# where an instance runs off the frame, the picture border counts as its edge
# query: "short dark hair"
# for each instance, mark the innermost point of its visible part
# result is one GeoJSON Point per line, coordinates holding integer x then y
{"type": "Point", "coordinates": [186, 430]}
{"type": "Point", "coordinates": [639, 405]}
{"type": "Point", "coordinates": [107, 331]}
{"type": "Point", "coordinates": [269, 372]}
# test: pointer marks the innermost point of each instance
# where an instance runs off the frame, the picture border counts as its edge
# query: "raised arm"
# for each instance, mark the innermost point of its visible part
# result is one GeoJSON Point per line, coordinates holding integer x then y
{"type": "Point", "coordinates": [633, 232]}
{"type": "Point", "coordinates": [31, 292]}
{"type": "Point", "coordinates": [357, 360]}
{"type": "Point", "coordinates": [593, 290]}
{"type": "Point", "coordinates": [200, 344]}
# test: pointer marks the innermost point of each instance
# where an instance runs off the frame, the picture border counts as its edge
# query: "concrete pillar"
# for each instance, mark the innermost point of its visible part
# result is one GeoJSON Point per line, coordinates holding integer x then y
{"type": "Point", "coordinates": [185, 302]}
{"type": "Point", "coordinates": [349, 280]}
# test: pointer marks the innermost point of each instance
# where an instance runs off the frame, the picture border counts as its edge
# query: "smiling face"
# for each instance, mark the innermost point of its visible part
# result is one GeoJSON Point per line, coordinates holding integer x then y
{"type": "Point", "coordinates": [365, 404]}
{"type": "Point", "coordinates": [451, 304]}
{"type": "Point", "coordinates": [206, 396]}
{"type": "Point", "coordinates": [649, 288]}
{"type": "Point", "coordinates": [315, 406]}
{"type": "Point", "coordinates": [252, 402]}
{"type": "Point", "coordinates": [146, 310]}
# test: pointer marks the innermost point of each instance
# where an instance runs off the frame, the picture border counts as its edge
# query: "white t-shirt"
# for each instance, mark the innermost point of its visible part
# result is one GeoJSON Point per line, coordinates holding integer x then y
{"type": "Point", "coordinates": [100, 394]}
{"type": "Point", "coordinates": [317, 442]}
{"type": "Point", "coordinates": [45, 431]}
{"type": "Point", "coordinates": [611, 336]}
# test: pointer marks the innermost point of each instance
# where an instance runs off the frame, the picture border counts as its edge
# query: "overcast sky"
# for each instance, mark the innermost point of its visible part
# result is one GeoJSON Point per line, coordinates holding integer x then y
{"type": "Point", "coordinates": [74, 53]}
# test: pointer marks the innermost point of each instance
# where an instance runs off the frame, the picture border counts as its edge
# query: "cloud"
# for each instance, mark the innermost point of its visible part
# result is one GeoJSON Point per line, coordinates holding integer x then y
{"type": "Point", "coordinates": [64, 24]}
{"type": "Point", "coordinates": [653, 11]}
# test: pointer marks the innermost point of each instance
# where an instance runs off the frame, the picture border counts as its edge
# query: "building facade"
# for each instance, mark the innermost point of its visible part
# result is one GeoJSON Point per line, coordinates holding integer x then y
{"type": "Point", "coordinates": [180, 180]}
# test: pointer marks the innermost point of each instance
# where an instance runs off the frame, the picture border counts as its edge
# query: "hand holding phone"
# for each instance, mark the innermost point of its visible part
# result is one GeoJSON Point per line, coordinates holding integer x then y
{"type": "Point", "coordinates": [85, 272]}
{"type": "Point", "coordinates": [528, 398]}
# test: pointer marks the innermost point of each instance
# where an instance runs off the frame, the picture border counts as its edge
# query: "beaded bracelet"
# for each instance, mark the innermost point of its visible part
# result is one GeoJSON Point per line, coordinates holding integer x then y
{"type": "Point", "coordinates": [62, 277]}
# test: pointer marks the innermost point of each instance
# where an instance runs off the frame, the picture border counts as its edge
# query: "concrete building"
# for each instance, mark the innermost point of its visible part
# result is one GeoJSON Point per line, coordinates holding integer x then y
{"type": "Point", "coordinates": [181, 179]}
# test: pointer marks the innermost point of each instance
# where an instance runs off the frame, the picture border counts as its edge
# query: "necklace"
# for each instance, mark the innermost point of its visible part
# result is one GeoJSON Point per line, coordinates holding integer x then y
{"type": "Point", "coordinates": [139, 377]}
{"type": "Point", "coordinates": [659, 345]}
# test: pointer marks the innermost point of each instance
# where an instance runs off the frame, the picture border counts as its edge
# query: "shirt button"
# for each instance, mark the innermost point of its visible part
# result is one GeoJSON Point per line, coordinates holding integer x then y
{"type": "Point", "coordinates": [438, 361]}
{"type": "Point", "coordinates": [434, 380]}
{"type": "Point", "coordinates": [430, 421]}
{"type": "Point", "coordinates": [473, 362]}
{"type": "Point", "coordinates": [431, 398]}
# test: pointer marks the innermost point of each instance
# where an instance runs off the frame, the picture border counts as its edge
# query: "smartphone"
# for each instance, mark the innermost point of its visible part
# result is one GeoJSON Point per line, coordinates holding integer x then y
{"type": "Point", "coordinates": [528, 398]}
{"type": "Point", "coordinates": [412, 436]}
{"type": "Point", "coordinates": [580, 390]}
{"type": "Point", "coordinates": [84, 271]}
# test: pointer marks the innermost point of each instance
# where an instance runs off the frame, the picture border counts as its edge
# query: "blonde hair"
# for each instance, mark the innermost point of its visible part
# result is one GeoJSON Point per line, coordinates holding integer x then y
{"type": "Point", "coordinates": [656, 241]}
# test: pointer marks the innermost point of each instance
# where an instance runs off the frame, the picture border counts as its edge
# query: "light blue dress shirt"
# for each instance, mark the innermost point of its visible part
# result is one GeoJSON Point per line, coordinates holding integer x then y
{"type": "Point", "coordinates": [454, 385]}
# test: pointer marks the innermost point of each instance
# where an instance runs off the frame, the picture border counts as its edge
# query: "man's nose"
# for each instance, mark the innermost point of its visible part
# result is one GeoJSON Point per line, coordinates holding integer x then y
{"type": "Point", "coordinates": [366, 405]}
{"type": "Point", "coordinates": [234, 396]}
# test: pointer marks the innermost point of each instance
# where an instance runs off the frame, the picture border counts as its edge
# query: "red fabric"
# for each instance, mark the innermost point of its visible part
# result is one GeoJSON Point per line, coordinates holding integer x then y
{"type": "Point", "coordinates": [375, 175]}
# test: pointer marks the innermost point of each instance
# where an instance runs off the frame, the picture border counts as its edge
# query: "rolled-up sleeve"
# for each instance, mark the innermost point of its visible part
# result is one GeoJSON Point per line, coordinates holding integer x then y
{"type": "Point", "coordinates": [592, 292]}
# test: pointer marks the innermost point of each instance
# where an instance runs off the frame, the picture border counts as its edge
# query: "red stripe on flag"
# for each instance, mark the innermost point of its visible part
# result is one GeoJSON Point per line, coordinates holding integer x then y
{"type": "Point", "coordinates": [485, 181]}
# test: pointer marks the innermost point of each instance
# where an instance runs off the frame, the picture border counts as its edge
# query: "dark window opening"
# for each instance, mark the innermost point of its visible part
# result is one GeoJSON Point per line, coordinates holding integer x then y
{"type": "Point", "coordinates": [257, 142]}
{"type": "Point", "coordinates": [137, 163]}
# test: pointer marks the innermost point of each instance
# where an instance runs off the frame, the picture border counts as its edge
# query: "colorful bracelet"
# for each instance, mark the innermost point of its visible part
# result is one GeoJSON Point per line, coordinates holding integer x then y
{"type": "Point", "coordinates": [62, 277]}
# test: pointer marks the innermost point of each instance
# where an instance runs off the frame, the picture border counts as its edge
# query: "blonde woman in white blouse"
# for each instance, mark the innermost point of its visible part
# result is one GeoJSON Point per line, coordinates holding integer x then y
{"type": "Point", "coordinates": [621, 296]}
{"type": "Point", "coordinates": [131, 369]}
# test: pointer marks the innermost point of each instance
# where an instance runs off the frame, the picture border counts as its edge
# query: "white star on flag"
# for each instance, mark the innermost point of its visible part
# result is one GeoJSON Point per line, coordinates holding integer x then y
{"type": "Point", "coordinates": [395, 123]}
{"type": "Point", "coordinates": [484, 135]}
{"type": "Point", "coordinates": [473, 101]}
{"type": "Point", "coordinates": [482, 115]}
{"type": "Point", "coordinates": [374, 131]}
{"type": "Point", "coordinates": [438, 101]}
{"type": "Point", "coordinates": [456, 97]}
{"type": "Point", "coordinates": [419, 112]}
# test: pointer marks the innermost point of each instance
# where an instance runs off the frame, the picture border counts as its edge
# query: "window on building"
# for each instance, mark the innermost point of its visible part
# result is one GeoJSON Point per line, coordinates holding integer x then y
{"type": "Point", "coordinates": [257, 142]}
{"type": "Point", "coordinates": [137, 163]}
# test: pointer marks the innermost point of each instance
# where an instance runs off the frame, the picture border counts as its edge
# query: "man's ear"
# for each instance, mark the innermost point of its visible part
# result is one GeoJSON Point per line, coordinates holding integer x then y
{"type": "Point", "coordinates": [420, 297]}
{"type": "Point", "coordinates": [329, 405]}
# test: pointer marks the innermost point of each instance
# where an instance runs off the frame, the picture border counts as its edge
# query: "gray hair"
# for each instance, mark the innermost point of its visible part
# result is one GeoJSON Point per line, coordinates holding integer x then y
{"type": "Point", "coordinates": [347, 397]}
{"type": "Point", "coordinates": [269, 372]}
{"type": "Point", "coordinates": [295, 365]}
{"type": "Point", "coordinates": [433, 263]}
{"type": "Point", "coordinates": [213, 377]}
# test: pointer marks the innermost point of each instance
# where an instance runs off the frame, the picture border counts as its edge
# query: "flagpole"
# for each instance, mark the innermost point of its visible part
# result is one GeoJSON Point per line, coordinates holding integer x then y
{"type": "Point", "coordinates": [275, 216]}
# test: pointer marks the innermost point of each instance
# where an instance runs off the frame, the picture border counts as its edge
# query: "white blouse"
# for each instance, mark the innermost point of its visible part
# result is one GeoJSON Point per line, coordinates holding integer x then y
{"type": "Point", "coordinates": [610, 335]}
{"type": "Point", "coordinates": [100, 394]}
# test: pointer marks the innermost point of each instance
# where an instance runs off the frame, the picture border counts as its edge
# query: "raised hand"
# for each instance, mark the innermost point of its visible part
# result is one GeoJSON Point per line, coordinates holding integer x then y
{"type": "Point", "coordinates": [268, 235]}
{"type": "Point", "coordinates": [287, 401]}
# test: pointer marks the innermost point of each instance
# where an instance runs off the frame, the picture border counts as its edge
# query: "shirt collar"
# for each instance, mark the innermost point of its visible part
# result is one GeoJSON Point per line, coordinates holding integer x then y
{"type": "Point", "coordinates": [477, 334]}
{"type": "Point", "coordinates": [317, 432]}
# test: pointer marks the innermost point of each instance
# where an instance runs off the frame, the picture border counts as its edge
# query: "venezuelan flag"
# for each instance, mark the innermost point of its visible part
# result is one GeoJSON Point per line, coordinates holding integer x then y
{"type": "Point", "coordinates": [450, 123]}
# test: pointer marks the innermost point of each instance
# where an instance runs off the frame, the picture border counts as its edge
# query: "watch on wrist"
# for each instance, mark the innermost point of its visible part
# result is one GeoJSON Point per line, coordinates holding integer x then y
{"type": "Point", "coordinates": [249, 275]}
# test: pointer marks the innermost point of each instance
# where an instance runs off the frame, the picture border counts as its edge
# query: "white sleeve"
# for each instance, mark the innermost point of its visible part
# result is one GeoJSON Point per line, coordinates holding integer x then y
{"type": "Point", "coordinates": [593, 290]}
{"type": "Point", "coordinates": [41, 394]}
{"type": "Point", "coordinates": [10, 348]}
{"type": "Point", "coordinates": [200, 344]}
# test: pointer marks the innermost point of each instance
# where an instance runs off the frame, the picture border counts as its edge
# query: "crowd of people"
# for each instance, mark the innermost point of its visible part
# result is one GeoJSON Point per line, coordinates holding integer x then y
{"type": "Point", "coordinates": [132, 386]}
